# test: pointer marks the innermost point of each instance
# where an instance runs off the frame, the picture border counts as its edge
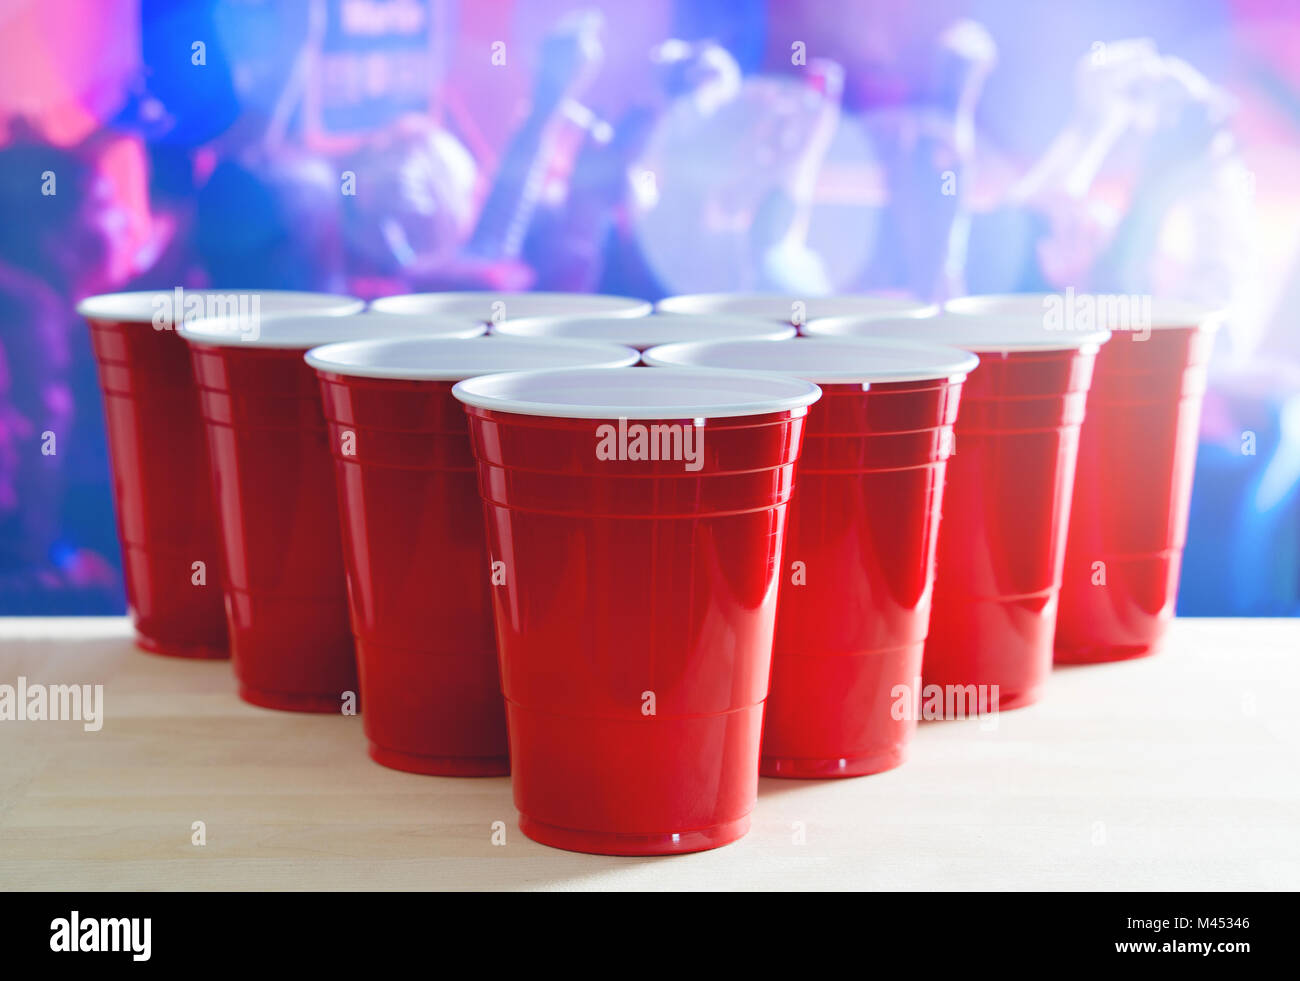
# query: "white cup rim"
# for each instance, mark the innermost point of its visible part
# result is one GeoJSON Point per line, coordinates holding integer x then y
{"type": "Point", "coordinates": [418, 358]}
{"type": "Point", "coordinates": [649, 331]}
{"type": "Point", "coordinates": [979, 333]}
{"type": "Point", "coordinates": [143, 306]}
{"type": "Point", "coordinates": [299, 333]}
{"type": "Point", "coordinates": [826, 361]}
{"type": "Point", "coordinates": [638, 393]}
{"type": "Point", "coordinates": [478, 304]}
{"type": "Point", "coordinates": [1165, 313]}
{"type": "Point", "coordinates": [779, 307]}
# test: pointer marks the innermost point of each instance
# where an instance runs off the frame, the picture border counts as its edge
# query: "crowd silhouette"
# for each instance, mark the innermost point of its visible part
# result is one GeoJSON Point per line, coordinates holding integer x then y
{"type": "Point", "coordinates": [714, 177]}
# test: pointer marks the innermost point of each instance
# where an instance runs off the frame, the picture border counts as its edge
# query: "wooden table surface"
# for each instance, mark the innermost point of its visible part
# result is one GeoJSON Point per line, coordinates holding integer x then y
{"type": "Point", "coordinates": [1181, 771]}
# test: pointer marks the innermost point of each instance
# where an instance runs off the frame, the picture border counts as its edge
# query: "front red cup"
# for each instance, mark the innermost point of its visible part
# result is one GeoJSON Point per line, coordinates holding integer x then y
{"type": "Point", "coordinates": [635, 522]}
{"type": "Point", "coordinates": [414, 543]}
{"type": "Point", "coordinates": [1132, 493]}
{"type": "Point", "coordinates": [859, 569]}
{"type": "Point", "coordinates": [165, 517]}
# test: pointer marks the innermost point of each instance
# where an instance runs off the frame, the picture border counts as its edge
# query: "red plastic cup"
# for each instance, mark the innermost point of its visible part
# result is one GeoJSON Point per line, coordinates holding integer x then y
{"type": "Point", "coordinates": [859, 560]}
{"type": "Point", "coordinates": [414, 545]}
{"type": "Point", "coordinates": [1007, 504]}
{"type": "Point", "coordinates": [170, 553]}
{"type": "Point", "coordinates": [1133, 484]}
{"type": "Point", "coordinates": [795, 310]}
{"type": "Point", "coordinates": [637, 597]}
{"type": "Point", "coordinates": [643, 333]}
{"type": "Point", "coordinates": [492, 308]}
{"type": "Point", "coordinates": [1133, 489]}
{"type": "Point", "coordinates": [273, 482]}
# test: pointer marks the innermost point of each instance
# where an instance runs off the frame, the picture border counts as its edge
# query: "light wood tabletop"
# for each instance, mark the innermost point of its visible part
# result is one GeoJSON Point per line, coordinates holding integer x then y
{"type": "Point", "coordinates": [1180, 771]}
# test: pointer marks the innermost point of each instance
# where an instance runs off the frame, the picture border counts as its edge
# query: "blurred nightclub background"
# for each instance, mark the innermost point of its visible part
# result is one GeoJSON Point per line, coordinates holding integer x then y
{"type": "Point", "coordinates": [649, 148]}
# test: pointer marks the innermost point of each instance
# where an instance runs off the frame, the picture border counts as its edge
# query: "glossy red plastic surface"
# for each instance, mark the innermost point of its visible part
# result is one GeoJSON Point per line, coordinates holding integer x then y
{"type": "Point", "coordinates": [417, 566]}
{"type": "Point", "coordinates": [1137, 455]}
{"type": "Point", "coordinates": [273, 480]}
{"type": "Point", "coordinates": [853, 617]}
{"type": "Point", "coordinates": [635, 625]}
{"type": "Point", "coordinates": [165, 516]}
{"type": "Point", "coordinates": [1005, 513]}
